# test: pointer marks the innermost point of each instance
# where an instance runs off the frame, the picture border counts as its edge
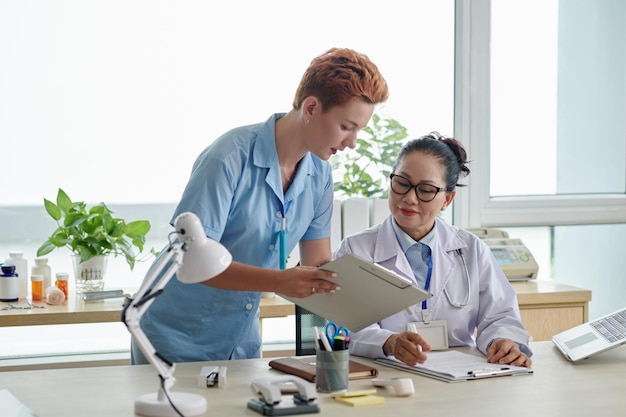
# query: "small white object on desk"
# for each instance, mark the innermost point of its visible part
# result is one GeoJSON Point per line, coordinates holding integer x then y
{"type": "Point", "coordinates": [403, 387]}
{"type": "Point", "coordinates": [54, 296]}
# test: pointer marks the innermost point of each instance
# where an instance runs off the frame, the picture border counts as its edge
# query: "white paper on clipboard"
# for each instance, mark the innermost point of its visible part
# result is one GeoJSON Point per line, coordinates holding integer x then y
{"type": "Point", "coordinates": [369, 293]}
{"type": "Point", "coordinates": [455, 366]}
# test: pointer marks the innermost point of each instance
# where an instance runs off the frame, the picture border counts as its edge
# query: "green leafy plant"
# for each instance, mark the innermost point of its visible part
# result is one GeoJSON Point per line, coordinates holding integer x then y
{"type": "Point", "coordinates": [364, 171]}
{"type": "Point", "coordinates": [94, 231]}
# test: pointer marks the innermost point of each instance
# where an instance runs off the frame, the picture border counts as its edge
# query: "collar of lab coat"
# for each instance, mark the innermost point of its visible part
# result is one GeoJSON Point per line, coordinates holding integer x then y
{"type": "Point", "coordinates": [447, 240]}
{"type": "Point", "coordinates": [387, 247]}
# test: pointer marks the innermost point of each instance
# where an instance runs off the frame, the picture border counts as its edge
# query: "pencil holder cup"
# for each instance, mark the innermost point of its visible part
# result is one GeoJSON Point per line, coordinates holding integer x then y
{"type": "Point", "coordinates": [331, 370]}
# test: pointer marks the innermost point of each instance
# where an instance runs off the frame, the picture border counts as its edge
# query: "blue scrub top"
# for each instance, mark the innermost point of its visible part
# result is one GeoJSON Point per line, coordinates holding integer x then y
{"type": "Point", "coordinates": [236, 190]}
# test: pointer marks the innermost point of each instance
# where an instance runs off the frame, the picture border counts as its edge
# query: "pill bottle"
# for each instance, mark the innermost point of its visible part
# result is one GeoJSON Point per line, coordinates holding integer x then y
{"type": "Point", "coordinates": [42, 268]}
{"type": "Point", "coordinates": [61, 282]}
{"type": "Point", "coordinates": [21, 269]}
{"type": "Point", "coordinates": [9, 290]}
{"type": "Point", "coordinates": [37, 287]}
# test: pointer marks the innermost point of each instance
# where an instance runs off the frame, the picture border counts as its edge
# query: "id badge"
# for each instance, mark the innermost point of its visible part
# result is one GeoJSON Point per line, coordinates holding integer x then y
{"type": "Point", "coordinates": [435, 332]}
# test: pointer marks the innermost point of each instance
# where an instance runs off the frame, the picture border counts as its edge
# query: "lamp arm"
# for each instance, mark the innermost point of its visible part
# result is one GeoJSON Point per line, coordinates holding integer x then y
{"type": "Point", "coordinates": [136, 306]}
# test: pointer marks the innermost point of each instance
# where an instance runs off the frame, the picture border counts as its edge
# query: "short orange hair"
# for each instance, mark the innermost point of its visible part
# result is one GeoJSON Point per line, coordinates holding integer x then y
{"type": "Point", "coordinates": [339, 76]}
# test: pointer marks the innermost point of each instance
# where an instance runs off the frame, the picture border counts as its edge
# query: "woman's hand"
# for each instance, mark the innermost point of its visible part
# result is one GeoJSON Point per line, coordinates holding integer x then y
{"type": "Point", "coordinates": [303, 281]}
{"type": "Point", "coordinates": [408, 347]}
{"type": "Point", "coordinates": [507, 352]}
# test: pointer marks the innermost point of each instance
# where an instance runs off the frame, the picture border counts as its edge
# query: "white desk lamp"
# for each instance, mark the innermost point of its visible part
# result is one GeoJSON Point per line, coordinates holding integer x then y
{"type": "Point", "coordinates": [203, 259]}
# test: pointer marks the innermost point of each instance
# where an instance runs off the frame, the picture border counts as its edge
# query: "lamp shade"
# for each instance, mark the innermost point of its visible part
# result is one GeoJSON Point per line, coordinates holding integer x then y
{"type": "Point", "coordinates": [203, 258]}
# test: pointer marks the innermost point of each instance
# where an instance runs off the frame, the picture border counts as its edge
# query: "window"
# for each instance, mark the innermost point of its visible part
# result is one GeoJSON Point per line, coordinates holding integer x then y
{"type": "Point", "coordinates": [549, 113]}
{"type": "Point", "coordinates": [112, 101]}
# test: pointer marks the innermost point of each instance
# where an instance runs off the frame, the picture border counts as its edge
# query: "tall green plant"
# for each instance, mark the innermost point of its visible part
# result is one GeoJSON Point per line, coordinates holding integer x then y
{"type": "Point", "coordinates": [364, 171]}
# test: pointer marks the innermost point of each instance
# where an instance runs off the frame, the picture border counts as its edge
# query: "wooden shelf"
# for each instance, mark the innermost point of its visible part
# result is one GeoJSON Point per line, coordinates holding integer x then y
{"type": "Point", "coordinates": [546, 308]}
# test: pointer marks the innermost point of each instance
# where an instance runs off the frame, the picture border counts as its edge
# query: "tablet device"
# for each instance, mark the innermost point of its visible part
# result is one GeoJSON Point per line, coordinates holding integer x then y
{"type": "Point", "coordinates": [369, 293]}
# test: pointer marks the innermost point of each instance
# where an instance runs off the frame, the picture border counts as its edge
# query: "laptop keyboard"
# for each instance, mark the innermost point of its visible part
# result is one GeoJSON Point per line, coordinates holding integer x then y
{"type": "Point", "coordinates": [613, 327]}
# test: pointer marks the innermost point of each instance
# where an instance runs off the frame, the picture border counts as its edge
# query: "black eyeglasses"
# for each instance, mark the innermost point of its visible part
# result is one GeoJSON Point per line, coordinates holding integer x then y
{"type": "Point", "coordinates": [424, 192]}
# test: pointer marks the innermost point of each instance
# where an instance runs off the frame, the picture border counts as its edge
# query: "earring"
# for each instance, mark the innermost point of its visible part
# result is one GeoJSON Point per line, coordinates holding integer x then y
{"type": "Point", "coordinates": [306, 122]}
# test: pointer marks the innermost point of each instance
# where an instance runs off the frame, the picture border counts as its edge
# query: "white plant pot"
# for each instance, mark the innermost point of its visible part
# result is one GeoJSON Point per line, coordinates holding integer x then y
{"type": "Point", "coordinates": [89, 275]}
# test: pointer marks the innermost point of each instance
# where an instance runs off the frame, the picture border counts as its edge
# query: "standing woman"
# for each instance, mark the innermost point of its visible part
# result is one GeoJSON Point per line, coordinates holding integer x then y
{"type": "Point", "coordinates": [470, 293]}
{"type": "Point", "coordinates": [251, 185]}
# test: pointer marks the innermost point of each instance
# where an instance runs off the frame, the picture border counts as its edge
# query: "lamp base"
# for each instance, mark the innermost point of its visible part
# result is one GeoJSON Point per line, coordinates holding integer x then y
{"type": "Point", "coordinates": [188, 405]}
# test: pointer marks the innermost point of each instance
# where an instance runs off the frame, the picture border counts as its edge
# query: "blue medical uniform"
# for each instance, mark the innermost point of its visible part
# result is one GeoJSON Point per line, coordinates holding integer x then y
{"type": "Point", "coordinates": [236, 190]}
{"type": "Point", "coordinates": [488, 307]}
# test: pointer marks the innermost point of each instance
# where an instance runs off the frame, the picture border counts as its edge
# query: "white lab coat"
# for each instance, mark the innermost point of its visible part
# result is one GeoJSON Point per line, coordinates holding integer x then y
{"type": "Point", "coordinates": [492, 309]}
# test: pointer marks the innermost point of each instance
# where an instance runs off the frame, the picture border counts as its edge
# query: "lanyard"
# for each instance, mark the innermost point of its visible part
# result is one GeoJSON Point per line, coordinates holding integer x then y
{"type": "Point", "coordinates": [426, 288]}
{"type": "Point", "coordinates": [282, 235]}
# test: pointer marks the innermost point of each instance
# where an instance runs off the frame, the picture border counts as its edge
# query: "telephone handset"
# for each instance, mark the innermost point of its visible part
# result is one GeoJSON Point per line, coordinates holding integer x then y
{"type": "Point", "coordinates": [516, 261]}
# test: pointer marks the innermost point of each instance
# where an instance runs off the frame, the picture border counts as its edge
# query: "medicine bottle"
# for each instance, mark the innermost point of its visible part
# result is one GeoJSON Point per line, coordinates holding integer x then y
{"type": "Point", "coordinates": [61, 282]}
{"type": "Point", "coordinates": [37, 287]}
{"type": "Point", "coordinates": [42, 268]}
{"type": "Point", "coordinates": [8, 284]}
{"type": "Point", "coordinates": [21, 269]}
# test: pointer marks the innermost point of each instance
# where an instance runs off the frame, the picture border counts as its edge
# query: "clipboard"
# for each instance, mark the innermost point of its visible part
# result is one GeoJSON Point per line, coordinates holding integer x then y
{"type": "Point", "coordinates": [455, 366]}
{"type": "Point", "coordinates": [369, 293]}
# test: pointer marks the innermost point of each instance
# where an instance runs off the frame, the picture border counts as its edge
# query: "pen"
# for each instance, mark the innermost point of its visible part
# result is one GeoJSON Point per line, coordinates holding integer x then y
{"type": "Point", "coordinates": [282, 234]}
{"type": "Point", "coordinates": [486, 373]}
{"type": "Point", "coordinates": [318, 339]}
{"type": "Point", "coordinates": [283, 250]}
{"type": "Point", "coordinates": [325, 342]}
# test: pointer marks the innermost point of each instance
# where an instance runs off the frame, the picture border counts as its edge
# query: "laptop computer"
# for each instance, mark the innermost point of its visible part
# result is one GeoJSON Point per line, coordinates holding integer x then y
{"type": "Point", "coordinates": [369, 293]}
{"type": "Point", "coordinates": [593, 337]}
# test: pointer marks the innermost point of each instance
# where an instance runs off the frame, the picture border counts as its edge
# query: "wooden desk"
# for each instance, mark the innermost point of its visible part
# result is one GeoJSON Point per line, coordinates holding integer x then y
{"type": "Point", "coordinates": [548, 308]}
{"type": "Point", "coordinates": [557, 388]}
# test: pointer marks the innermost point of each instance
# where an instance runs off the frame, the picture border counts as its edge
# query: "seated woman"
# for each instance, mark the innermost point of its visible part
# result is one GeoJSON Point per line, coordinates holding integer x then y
{"type": "Point", "coordinates": [470, 294]}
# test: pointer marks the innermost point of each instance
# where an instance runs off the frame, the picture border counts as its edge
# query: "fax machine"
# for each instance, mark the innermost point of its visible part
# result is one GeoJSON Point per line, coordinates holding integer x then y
{"type": "Point", "coordinates": [516, 261]}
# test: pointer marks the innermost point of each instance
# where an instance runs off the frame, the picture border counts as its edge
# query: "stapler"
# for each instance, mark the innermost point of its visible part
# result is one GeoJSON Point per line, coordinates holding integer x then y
{"type": "Point", "coordinates": [272, 402]}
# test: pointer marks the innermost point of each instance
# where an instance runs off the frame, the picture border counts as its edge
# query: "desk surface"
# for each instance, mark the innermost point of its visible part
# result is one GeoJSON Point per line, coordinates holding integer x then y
{"type": "Point", "coordinates": [557, 388]}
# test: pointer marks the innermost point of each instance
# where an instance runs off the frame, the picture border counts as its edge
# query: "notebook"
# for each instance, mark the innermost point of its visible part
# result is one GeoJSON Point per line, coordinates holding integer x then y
{"type": "Point", "coordinates": [369, 293]}
{"type": "Point", "coordinates": [593, 337]}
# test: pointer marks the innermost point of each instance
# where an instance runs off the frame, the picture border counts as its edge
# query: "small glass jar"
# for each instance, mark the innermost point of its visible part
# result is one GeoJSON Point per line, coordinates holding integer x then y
{"type": "Point", "coordinates": [61, 282]}
{"type": "Point", "coordinates": [37, 287]}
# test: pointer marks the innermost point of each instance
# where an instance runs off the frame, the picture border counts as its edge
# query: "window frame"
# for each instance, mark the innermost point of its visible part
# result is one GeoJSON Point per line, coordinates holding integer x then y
{"type": "Point", "coordinates": [474, 207]}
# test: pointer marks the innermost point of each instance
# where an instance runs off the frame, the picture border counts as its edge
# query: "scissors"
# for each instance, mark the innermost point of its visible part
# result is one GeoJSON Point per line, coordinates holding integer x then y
{"type": "Point", "coordinates": [333, 330]}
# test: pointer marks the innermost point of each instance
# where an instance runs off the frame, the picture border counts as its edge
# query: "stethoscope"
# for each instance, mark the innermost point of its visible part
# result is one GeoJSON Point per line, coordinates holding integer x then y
{"type": "Point", "coordinates": [467, 280]}
{"type": "Point", "coordinates": [457, 304]}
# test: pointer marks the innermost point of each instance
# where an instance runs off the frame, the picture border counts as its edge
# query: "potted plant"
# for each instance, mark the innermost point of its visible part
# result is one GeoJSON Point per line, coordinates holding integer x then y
{"type": "Point", "coordinates": [92, 234]}
{"type": "Point", "coordinates": [364, 171]}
